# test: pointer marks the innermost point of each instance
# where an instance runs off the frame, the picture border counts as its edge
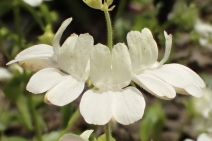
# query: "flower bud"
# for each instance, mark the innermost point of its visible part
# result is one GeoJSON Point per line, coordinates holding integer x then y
{"type": "Point", "coordinates": [47, 36]}
{"type": "Point", "coordinates": [109, 2]}
{"type": "Point", "coordinates": [96, 4]}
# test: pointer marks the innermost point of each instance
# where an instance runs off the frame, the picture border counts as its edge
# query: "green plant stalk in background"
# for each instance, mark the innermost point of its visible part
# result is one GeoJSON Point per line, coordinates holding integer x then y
{"type": "Point", "coordinates": [35, 117]}
{"type": "Point", "coordinates": [18, 23]}
{"type": "Point", "coordinates": [72, 120]}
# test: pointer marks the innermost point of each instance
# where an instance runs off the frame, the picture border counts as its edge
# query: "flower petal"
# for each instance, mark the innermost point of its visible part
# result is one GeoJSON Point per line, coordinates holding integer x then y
{"type": "Point", "coordinates": [121, 66]}
{"type": "Point", "coordinates": [71, 137]}
{"type": "Point", "coordinates": [36, 64]}
{"type": "Point", "coordinates": [33, 3]}
{"type": "Point", "coordinates": [44, 80]}
{"type": "Point", "coordinates": [96, 107]}
{"type": "Point", "coordinates": [143, 49]}
{"type": "Point", "coordinates": [190, 90]}
{"type": "Point", "coordinates": [184, 80]}
{"type": "Point", "coordinates": [65, 91]}
{"type": "Point", "coordinates": [196, 78]}
{"type": "Point", "coordinates": [128, 106]}
{"type": "Point", "coordinates": [69, 44]}
{"type": "Point", "coordinates": [56, 40]}
{"type": "Point", "coordinates": [100, 63]}
{"type": "Point", "coordinates": [155, 86]}
{"type": "Point", "coordinates": [168, 39]}
{"type": "Point", "coordinates": [188, 140]}
{"type": "Point", "coordinates": [37, 51]}
{"type": "Point", "coordinates": [204, 137]}
{"type": "Point", "coordinates": [65, 57]}
{"type": "Point", "coordinates": [75, 54]}
{"type": "Point", "coordinates": [86, 134]}
{"type": "Point", "coordinates": [173, 74]}
{"type": "Point", "coordinates": [194, 91]}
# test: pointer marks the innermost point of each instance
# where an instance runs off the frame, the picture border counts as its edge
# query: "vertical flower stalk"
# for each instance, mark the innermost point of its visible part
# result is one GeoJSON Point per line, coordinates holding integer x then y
{"type": "Point", "coordinates": [109, 27]}
{"type": "Point", "coordinates": [110, 45]}
{"type": "Point", "coordinates": [108, 131]}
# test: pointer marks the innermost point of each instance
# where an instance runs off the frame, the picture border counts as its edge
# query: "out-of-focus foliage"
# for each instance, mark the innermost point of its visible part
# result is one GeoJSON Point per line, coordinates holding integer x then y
{"type": "Point", "coordinates": [103, 138]}
{"type": "Point", "coordinates": [152, 123]}
{"type": "Point", "coordinates": [22, 26]}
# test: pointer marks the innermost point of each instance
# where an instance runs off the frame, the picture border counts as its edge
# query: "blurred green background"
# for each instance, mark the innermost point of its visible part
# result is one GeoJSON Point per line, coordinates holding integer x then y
{"type": "Point", "coordinates": [24, 116]}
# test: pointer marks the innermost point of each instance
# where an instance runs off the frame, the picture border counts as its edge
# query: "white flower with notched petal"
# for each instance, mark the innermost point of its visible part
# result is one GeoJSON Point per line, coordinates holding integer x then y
{"type": "Point", "coordinates": [64, 70]}
{"type": "Point", "coordinates": [33, 3]}
{"type": "Point", "coordinates": [202, 137]}
{"type": "Point", "coordinates": [110, 73]}
{"type": "Point", "coordinates": [42, 56]}
{"type": "Point", "coordinates": [4, 74]}
{"type": "Point", "coordinates": [72, 137]}
{"type": "Point", "coordinates": [156, 78]}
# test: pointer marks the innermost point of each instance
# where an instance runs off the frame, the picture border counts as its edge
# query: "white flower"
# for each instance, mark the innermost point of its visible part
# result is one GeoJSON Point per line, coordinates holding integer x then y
{"type": "Point", "coordinates": [42, 56]}
{"type": "Point", "coordinates": [110, 73]}
{"type": "Point", "coordinates": [72, 137]}
{"type": "Point", "coordinates": [156, 78]}
{"type": "Point", "coordinates": [203, 105]}
{"type": "Point", "coordinates": [202, 137]}
{"type": "Point", "coordinates": [202, 28]}
{"type": "Point", "coordinates": [33, 3]}
{"type": "Point", "coordinates": [208, 126]}
{"type": "Point", "coordinates": [188, 140]}
{"type": "Point", "coordinates": [205, 32]}
{"type": "Point", "coordinates": [64, 70]}
{"type": "Point", "coordinates": [4, 74]}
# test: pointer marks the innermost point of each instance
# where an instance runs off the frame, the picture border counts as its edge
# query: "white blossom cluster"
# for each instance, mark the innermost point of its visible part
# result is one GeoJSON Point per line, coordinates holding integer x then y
{"type": "Point", "coordinates": [203, 107]}
{"type": "Point", "coordinates": [62, 72]}
{"type": "Point", "coordinates": [33, 3]}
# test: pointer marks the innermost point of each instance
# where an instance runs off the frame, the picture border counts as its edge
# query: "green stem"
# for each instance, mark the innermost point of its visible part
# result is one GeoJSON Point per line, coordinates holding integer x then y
{"type": "Point", "coordinates": [108, 131]}
{"type": "Point", "coordinates": [122, 4]}
{"type": "Point", "coordinates": [18, 24]}
{"type": "Point", "coordinates": [110, 46]}
{"type": "Point", "coordinates": [109, 30]}
{"type": "Point", "coordinates": [1, 43]}
{"type": "Point", "coordinates": [36, 120]}
{"type": "Point", "coordinates": [46, 14]}
{"type": "Point", "coordinates": [73, 119]}
{"type": "Point", "coordinates": [2, 133]}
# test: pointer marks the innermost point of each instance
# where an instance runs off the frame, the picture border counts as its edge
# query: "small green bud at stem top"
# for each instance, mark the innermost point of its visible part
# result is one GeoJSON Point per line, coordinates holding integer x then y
{"type": "Point", "coordinates": [109, 2]}
{"type": "Point", "coordinates": [96, 4]}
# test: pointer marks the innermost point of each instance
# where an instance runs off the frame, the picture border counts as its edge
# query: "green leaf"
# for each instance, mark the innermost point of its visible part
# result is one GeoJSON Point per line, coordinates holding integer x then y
{"type": "Point", "coordinates": [66, 112]}
{"type": "Point", "coordinates": [42, 122]}
{"type": "Point", "coordinates": [5, 6]}
{"type": "Point", "coordinates": [13, 139]}
{"type": "Point", "coordinates": [93, 139]}
{"type": "Point", "coordinates": [189, 108]}
{"type": "Point", "coordinates": [103, 138]}
{"type": "Point", "coordinates": [51, 136]}
{"type": "Point", "coordinates": [24, 111]}
{"type": "Point", "coordinates": [36, 16]}
{"type": "Point", "coordinates": [13, 89]}
{"type": "Point", "coordinates": [152, 123]}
